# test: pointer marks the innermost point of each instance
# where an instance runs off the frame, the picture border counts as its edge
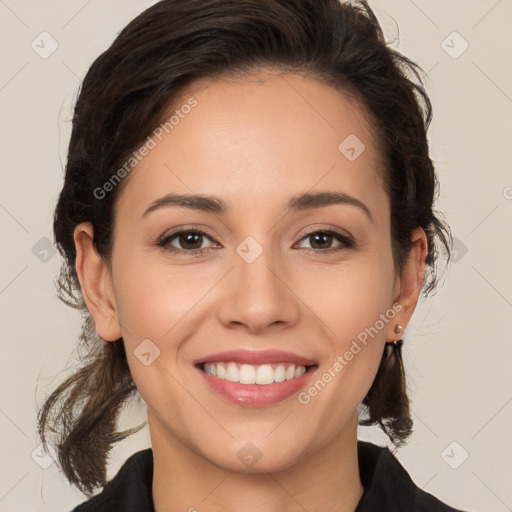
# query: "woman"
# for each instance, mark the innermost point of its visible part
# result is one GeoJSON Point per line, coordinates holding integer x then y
{"type": "Point", "coordinates": [247, 224]}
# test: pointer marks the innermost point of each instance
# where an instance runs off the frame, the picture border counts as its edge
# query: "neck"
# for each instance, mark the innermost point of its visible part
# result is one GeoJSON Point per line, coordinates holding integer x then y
{"type": "Point", "coordinates": [328, 480]}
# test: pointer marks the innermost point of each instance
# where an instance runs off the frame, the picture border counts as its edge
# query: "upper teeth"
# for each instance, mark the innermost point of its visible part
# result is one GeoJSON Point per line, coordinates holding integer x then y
{"type": "Point", "coordinates": [254, 374]}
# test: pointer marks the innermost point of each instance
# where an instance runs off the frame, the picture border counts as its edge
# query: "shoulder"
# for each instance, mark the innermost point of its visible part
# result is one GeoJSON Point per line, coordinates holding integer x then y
{"type": "Point", "coordinates": [387, 485]}
{"type": "Point", "coordinates": [129, 490]}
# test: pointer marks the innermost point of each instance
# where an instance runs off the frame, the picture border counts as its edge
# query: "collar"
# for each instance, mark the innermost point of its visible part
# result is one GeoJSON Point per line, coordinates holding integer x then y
{"type": "Point", "coordinates": [387, 486]}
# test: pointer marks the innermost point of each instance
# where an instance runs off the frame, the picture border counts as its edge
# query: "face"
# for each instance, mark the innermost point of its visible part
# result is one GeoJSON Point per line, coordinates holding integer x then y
{"type": "Point", "coordinates": [273, 292]}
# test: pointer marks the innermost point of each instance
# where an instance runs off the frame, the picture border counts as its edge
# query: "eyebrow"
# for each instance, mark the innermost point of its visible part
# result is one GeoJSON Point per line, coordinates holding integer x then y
{"type": "Point", "coordinates": [212, 204]}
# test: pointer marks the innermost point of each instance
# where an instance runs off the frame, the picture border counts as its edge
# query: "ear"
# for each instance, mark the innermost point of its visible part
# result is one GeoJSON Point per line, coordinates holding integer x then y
{"type": "Point", "coordinates": [96, 283]}
{"type": "Point", "coordinates": [408, 284]}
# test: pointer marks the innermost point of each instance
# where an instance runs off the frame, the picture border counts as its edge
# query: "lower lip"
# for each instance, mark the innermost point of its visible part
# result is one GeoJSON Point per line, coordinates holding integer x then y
{"type": "Point", "coordinates": [256, 395]}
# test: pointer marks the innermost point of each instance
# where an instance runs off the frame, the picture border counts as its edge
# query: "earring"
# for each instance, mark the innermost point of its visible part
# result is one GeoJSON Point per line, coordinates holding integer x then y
{"type": "Point", "coordinates": [398, 342]}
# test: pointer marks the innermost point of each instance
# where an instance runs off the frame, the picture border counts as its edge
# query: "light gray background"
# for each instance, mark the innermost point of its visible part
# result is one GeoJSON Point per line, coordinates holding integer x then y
{"type": "Point", "coordinates": [458, 349]}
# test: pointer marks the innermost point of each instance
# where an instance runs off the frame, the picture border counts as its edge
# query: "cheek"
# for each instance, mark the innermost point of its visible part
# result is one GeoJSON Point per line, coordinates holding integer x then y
{"type": "Point", "coordinates": [350, 298]}
{"type": "Point", "coordinates": [158, 306]}
{"type": "Point", "coordinates": [356, 311]}
{"type": "Point", "coordinates": [354, 305]}
{"type": "Point", "coordinates": [152, 298]}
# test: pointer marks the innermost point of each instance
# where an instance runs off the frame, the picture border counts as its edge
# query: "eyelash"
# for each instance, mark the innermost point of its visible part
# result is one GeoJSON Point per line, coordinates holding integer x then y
{"type": "Point", "coordinates": [346, 241]}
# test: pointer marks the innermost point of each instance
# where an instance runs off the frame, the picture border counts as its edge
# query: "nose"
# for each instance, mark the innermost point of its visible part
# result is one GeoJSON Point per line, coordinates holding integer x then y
{"type": "Point", "coordinates": [258, 295]}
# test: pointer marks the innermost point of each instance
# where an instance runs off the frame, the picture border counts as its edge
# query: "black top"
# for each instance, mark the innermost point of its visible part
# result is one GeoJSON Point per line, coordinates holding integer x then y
{"type": "Point", "coordinates": [387, 486]}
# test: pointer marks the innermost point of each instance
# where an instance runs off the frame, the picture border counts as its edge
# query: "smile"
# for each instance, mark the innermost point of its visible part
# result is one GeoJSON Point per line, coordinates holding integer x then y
{"type": "Point", "coordinates": [250, 378]}
{"type": "Point", "coordinates": [254, 374]}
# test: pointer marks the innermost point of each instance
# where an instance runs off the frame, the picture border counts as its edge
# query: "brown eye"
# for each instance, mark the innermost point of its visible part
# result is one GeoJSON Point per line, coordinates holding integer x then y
{"type": "Point", "coordinates": [191, 241]}
{"type": "Point", "coordinates": [188, 241]}
{"type": "Point", "coordinates": [322, 240]}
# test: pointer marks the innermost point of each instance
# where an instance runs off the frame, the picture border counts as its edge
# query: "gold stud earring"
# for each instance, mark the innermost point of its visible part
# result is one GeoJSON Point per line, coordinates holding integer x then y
{"type": "Point", "coordinates": [397, 342]}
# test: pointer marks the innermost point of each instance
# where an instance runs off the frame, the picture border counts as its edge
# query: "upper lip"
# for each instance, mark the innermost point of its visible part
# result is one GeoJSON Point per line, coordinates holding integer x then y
{"type": "Point", "coordinates": [256, 357]}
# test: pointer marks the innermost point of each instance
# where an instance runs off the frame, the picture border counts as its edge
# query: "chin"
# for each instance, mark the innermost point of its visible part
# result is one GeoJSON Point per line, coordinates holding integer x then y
{"type": "Point", "coordinates": [253, 457]}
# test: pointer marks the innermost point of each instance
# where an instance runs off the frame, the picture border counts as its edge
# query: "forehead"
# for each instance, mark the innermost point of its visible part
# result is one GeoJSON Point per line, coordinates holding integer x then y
{"type": "Point", "coordinates": [257, 138]}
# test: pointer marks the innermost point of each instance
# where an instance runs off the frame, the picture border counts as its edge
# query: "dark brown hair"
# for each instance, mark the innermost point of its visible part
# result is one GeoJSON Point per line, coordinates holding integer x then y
{"type": "Point", "coordinates": [124, 97]}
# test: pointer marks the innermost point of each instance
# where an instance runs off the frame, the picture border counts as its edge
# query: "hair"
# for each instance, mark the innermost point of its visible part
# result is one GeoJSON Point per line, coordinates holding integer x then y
{"type": "Point", "coordinates": [123, 98]}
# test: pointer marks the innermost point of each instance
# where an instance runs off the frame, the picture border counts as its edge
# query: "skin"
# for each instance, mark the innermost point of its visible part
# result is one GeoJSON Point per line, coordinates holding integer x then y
{"type": "Point", "coordinates": [253, 142]}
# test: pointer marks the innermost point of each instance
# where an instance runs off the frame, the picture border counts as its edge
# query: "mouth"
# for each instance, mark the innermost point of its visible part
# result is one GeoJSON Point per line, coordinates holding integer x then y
{"type": "Point", "coordinates": [256, 378]}
{"type": "Point", "coordinates": [250, 374]}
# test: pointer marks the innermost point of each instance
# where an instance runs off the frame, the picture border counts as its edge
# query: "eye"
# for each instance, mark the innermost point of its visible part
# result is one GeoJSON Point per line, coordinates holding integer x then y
{"type": "Point", "coordinates": [189, 241]}
{"type": "Point", "coordinates": [321, 241]}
